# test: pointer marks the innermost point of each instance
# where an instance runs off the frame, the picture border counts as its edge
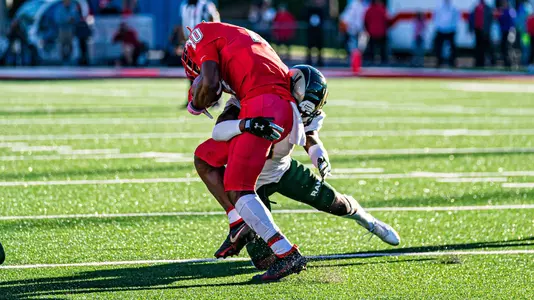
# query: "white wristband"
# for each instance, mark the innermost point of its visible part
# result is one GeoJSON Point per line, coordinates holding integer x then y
{"type": "Point", "coordinates": [317, 151]}
{"type": "Point", "coordinates": [226, 130]}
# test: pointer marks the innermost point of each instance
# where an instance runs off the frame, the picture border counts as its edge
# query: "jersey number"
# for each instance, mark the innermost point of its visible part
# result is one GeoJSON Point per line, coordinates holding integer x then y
{"type": "Point", "coordinates": [196, 36]}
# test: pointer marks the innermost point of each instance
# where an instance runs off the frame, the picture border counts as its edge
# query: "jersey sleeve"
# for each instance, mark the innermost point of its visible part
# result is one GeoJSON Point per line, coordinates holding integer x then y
{"type": "Point", "coordinates": [316, 123]}
{"type": "Point", "coordinates": [206, 44]}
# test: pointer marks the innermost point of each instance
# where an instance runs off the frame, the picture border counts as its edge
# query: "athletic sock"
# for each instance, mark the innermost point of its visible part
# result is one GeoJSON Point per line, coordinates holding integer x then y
{"type": "Point", "coordinates": [359, 214]}
{"type": "Point", "coordinates": [233, 217]}
{"type": "Point", "coordinates": [258, 217]}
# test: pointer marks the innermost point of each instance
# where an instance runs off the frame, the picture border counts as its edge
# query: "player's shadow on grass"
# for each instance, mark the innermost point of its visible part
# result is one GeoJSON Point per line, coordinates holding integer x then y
{"type": "Point", "coordinates": [158, 277]}
{"type": "Point", "coordinates": [169, 276]}
{"type": "Point", "coordinates": [123, 279]}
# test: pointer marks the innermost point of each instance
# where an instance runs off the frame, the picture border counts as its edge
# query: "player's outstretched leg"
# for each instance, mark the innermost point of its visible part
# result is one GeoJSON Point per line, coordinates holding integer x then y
{"type": "Point", "coordinates": [382, 230]}
{"type": "Point", "coordinates": [2, 254]}
{"type": "Point", "coordinates": [321, 195]}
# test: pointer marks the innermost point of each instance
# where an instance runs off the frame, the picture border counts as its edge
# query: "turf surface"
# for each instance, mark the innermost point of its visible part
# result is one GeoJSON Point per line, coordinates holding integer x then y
{"type": "Point", "coordinates": [58, 140]}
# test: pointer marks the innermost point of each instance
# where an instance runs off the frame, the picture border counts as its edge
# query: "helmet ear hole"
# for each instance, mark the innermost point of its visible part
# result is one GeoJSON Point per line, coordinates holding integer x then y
{"type": "Point", "coordinates": [298, 84]}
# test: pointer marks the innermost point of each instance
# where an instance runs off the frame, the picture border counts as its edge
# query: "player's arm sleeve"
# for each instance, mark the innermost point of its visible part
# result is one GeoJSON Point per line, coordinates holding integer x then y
{"type": "Point", "coordinates": [228, 124]}
{"type": "Point", "coordinates": [314, 146]}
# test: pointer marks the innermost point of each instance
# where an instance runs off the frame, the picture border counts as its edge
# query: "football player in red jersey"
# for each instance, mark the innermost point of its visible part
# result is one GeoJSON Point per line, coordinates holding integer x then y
{"type": "Point", "coordinates": [217, 52]}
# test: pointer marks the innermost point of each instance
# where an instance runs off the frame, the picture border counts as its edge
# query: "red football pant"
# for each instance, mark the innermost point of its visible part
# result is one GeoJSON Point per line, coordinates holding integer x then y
{"type": "Point", "coordinates": [245, 154]}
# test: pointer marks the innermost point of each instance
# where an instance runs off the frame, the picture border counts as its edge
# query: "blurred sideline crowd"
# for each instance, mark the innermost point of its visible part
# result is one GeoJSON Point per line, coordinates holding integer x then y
{"type": "Point", "coordinates": [362, 28]}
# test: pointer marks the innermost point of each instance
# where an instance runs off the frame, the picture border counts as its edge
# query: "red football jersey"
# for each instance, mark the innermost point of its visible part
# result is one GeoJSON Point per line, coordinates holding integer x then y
{"type": "Point", "coordinates": [246, 61]}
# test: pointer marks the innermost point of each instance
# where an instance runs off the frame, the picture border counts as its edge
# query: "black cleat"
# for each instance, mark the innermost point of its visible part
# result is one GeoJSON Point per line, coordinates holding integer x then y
{"type": "Point", "coordinates": [294, 262]}
{"type": "Point", "coordinates": [238, 237]}
{"type": "Point", "coordinates": [260, 253]}
{"type": "Point", "coordinates": [2, 254]}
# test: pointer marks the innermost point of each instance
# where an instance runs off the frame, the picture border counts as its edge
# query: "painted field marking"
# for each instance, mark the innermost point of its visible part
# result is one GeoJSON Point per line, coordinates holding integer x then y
{"type": "Point", "coordinates": [491, 87]}
{"type": "Point", "coordinates": [203, 135]}
{"type": "Point", "coordinates": [104, 154]}
{"type": "Point", "coordinates": [473, 180]}
{"type": "Point", "coordinates": [357, 173]}
{"type": "Point", "coordinates": [518, 185]}
{"type": "Point", "coordinates": [281, 211]}
{"type": "Point", "coordinates": [98, 182]}
{"type": "Point", "coordinates": [174, 157]}
{"type": "Point", "coordinates": [316, 258]}
{"type": "Point", "coordinates": [337, 120]}
{"type": "Point", "coordinates": [431, 151]}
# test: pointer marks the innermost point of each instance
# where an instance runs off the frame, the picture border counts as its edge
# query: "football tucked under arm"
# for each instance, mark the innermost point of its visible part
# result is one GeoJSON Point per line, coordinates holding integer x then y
{"type": "Point", "coordinates": [209, 88]}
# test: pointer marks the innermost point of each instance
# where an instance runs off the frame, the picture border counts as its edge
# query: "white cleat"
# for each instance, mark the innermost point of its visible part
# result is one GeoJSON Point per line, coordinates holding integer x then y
{"type": "Point", "coordinates": [385, 232]}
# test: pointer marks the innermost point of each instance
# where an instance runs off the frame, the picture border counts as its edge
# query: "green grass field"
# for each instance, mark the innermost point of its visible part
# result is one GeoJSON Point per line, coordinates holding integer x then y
{"type": "Point", "coordinates": [450, 164]}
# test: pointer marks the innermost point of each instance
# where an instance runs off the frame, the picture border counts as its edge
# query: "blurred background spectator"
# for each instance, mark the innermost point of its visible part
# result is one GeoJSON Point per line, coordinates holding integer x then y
{"type": "Point", "coordinates": [376, 23]}
{"type": "Point", "coordinates": [446, 18]}
{"type": "Point", "coordinates": [507, 26]}
{"type": "Point", "coordinates": [17, 47]}
{"type": "Point", "coordinates": [132, 47]}
{"type": "Point", "coordinates": [175, 48]}
{"type": "Point", "coordinates": [523, 12]}
{"type": "Point", "coordinates": [394, 30]}
{"type": "Point", "coordinates": [530, 31]}
{"type": "Point", "coordinates": [351, 24]}
{"type": "Point", "coordinates": [67, 16]}
{"type": "Point", "coordinates": [480, 21]}
{"type": "Point", "coordinates": [315, 15]}
{"type": "Point", "coordinates": [83, 32]}
{"type": "Point", "coordinates": [419, 40]}
{"type": "Point", "coordinates": [261, 16]}
{"type": "Point", "coordinates": [284, 28]}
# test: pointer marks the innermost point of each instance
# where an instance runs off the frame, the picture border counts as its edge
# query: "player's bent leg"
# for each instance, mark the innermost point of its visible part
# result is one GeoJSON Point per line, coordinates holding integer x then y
{"type": "Point", "coordinates": [210, 158]}
{"type": "Point", "coordinates": [322, 196]}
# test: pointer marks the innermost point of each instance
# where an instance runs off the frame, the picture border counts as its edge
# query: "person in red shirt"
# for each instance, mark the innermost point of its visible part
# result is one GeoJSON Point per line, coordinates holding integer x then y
{"type": "Point", "coordinates": [284, 25]}
{"type": "Point", "coordinates": [376, 24]}
{"type": "Point", "coordinates": [530, 31]}
{"type": "Point", "coordinates": [131, 46]}
{"type": "Point", "coordinates": [480, 21]}
{"type": "Point", "coordinates": [223, 56]}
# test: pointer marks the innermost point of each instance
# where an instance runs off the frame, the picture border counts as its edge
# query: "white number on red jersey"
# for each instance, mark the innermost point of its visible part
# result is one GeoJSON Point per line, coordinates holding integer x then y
{"type": "Point", "coordinates": [196, 36]}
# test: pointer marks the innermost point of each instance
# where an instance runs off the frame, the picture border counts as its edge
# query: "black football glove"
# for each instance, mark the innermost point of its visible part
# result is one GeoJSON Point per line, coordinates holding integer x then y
{"type": "Point", "coordinates": [323, 165]}
{"type": "Point", "coordinates": [264, 128]}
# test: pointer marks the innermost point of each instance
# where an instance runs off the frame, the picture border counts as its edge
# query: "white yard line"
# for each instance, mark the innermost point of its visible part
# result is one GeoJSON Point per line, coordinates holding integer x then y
{"type": "Point", "coordinates": [491, 87]}
{"type": "Point", "coordinates": [337, 120]}
{"type": "Point", "coordinates": [98, 182]}
{"type": "Point", "coordinates": [317, 257]}
{"type": "Point", "coordinates": [430, 151]}
{"type": "Point", "coordinates": [282, 211]}
{"type": "Point", "coordinates": [356, 173]}
{"type": "Point", "coordinates": [202, 135]}
{"type": "Point", "coordinates": [104, 154]}
{"type": "Point", "coordinates": [518, 185]}
{"type": "Point", "coordinates": [473, 180]}
{"type": "Point", "coordinates": [187, 157]}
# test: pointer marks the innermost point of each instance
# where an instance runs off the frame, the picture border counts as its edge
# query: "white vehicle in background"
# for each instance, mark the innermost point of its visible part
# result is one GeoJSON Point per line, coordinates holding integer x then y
{"type": "Point", "coordinates": [38, 20]}
{"type": "Point", "coordinates": [401, 34]}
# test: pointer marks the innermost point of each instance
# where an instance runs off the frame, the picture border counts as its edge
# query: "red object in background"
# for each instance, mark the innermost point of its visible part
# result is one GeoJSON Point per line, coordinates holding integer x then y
{"type": "Point", "coordinates": [127, 36]}
{"type": "Point", "coordinates": [530, 26]}
{"type": "Point", "coordinates": [284, 25]}
{"type": "Point", "coordinates": [376, 20]}
{"type": "Point", "coordinates": [356, 61]}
